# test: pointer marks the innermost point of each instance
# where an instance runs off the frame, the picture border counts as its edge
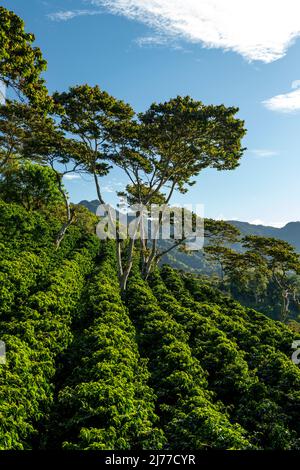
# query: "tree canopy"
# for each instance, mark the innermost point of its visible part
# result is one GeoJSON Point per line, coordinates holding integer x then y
{"type": "Point", "coordinates": [21, 63]}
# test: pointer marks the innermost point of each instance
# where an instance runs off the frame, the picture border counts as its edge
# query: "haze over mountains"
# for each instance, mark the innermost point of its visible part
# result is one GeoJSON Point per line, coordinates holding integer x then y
{"type": "Point", "coordinates": [195, 261]}
{"type": "Point", "coordinates": [290, 232]}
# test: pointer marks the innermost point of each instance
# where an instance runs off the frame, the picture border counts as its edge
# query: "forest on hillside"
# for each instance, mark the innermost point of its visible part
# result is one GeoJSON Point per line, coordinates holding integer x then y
{"type": "Point", "coordinates": [108, 347]}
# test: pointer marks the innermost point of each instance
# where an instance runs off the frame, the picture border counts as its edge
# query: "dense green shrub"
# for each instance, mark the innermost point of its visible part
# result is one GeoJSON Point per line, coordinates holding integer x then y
{"type": "Point", "coordinates": [106, 403]}
{"type": "Point", "coordinates": [213, 374]}
{"type": "Point", "coordinates": [264, 406]}
{"type": "Point", "coordinates": [228, 372]}
{"type": "Point", "coordinates": [30, 185]}
{"type": "Point", "coordinates": [34, 336]}
{"type": "Point", "coordinates": [19, 278]}
{"type": "Point", "coordinates": [189, 418]}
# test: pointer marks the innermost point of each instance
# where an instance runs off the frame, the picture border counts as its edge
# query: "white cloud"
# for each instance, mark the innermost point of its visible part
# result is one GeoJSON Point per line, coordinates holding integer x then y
{"type": "Point", "coordinates": [70, 14]}
{"type": "Point", "coordinates": [112, 186]}
{"type": "Point", "coordinates": [71, 176]}
{"type": "Point", "coordinates": [267, 224]}
{"type": "Point", "coordinates": [151, 41]}
{"type": "Point", "coordinates": [295, 84]}
{"type": "Point", "coordinates": [264, 153]}
{"type": "Point", "coordinates": [159, 40]}
{"type": "Point", "coordinates": [285, 103]}
{"type": "Point", "coordinates": [256, 29]}
{"type": "Point", "coordinates": [256, 222]}
{"type": "Point", "coordinates": [108, 189]}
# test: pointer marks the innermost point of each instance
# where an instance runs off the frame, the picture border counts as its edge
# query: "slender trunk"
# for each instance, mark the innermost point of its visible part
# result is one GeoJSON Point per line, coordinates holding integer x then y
{"type": "Point", "coordinates": [129, 255]}
{"type": "Point", "coordinates": [101, 200]}
{"type": "Point", "coordinates": [119, 258]}
{"type": "Point", "coordinates": [69, 213]}
{"type": "Point", "coordinates": [222, 271]}
{"type": "Point", "coordinates": [147, 267]}
{"type": "Point", "coordinates": [147, 262]}
{"type": "Point", "coordinates": [61, 234]}
{"type": "Point", "coordinates": [285, 294]}
{"type": "Point", "coordinates": [143, 244]}
{"type": "Point", "coordinates": [126, 271]}
{"type": "Point", "coordinates": [285, 306]}
{"type": "Point", "coordinates": [122, 280]}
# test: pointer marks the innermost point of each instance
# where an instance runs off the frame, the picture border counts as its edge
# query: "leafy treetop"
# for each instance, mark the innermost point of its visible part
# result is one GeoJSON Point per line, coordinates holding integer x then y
{"type": "Point", "coordinates": [21, 64]}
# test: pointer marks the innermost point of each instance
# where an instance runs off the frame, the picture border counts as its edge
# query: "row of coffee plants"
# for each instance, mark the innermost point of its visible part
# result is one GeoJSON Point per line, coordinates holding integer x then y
{"type": "Point", "coordinates": [259, 380]}
{"type": "Point", "coordinates": [189, 417]}
{"type": "Point", "coordinates": [106, 402]}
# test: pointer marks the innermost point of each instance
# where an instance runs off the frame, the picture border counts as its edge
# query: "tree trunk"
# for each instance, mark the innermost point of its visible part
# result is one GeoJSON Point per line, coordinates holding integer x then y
{"type": "Point", "coordinates": [98, 190]}
{"type": "Point", "coordinates": [70, 214]}
{"type": "Point", "coordinates": [148, 262]}
{"type": "Point", "coordinates": [63, 230]}
{"type": "Point", "coordinates": [126, 271]}
{"type": "Point", "coordinates": [285, 306]}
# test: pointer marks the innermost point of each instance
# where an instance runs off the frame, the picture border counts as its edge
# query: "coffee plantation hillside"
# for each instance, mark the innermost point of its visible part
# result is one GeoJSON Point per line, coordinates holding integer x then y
{"type": "Point", "coordinates": [173, 364]}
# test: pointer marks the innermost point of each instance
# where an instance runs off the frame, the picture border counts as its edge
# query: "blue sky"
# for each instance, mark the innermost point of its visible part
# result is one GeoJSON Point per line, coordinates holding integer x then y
{"type": "Point", "coordinates": [148, 50]}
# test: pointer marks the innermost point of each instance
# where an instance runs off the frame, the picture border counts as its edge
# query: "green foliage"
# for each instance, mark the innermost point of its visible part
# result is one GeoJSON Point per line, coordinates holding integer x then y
{"type": "Point", "coordinates": [20, 62]}
{"type": "Point", "coordinates": [106, 403]}
{"type": "Point", "coordinates": [201, 135]}
{"type": "Point", "coordinates": [32, 186]}
{"type": "Point", "coordinates": [189, 418]}
{"type": "Point", "coordinates": [20, 276]}
{"type": "Point", "coordinates": [228, 371]}
{"type": "Point", "coordinates": [38, 332]}
{"type": "Point", "coordinates": [96, 119]}
{"type": "Point", "coordinates": [33, 231]}
{"type": "Point", "coordinates": [264, 275]}
{"type": "Point", "coordinates": [212, 374]}
{"type": "Point", "coordinates": [240, 349]}
{"type": "Point", "coordinates": [91, 362]}
{"type": "Point", "coordinates": [40, 295]}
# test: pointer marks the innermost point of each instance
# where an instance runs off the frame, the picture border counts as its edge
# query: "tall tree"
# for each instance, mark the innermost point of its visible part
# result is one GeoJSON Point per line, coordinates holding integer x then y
{"type": "Point", "coordinates": [283, 264]}
{"type": "Point", "coordinates": [21, 63]}
{"type": "Point", "coordinates": [220, 236]}
{"type": "Point", "coordinates": [175, 141]}
{"type": "Point", "coordinates": [26, 134]}
{"type": "Point", "coordinates": [96, 119]}
{"type": "Point", "coordinates": [99, 122]}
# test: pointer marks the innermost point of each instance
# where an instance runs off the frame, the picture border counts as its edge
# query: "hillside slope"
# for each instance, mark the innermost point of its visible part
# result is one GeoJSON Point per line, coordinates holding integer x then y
{"type": "Point", "coordinates": [289, 233]}
{"type": "Point", "coordinates": [175, 365]}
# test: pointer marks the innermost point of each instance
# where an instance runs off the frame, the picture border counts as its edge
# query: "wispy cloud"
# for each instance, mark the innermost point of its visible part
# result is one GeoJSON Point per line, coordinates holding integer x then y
{"type": "Point", "coordinates": [267, 224]}
{"type": "Point", "coordinates": [108, 189]}
{"type": "Point", "coordinates": [159, 40]}
{"type": "Point", "coordinates": [70, 14]}
{"type": "Point", "coordinates": [151, 41]}
{"type": "Point", "coordinates": [112, 186]}
{"type": "Point", "coordinates": [264, 153]}
{"type": "Point", "coordinates": [258, 30]}
{"type": "Point", "coordinates": [285, 103]}
{"type": "Point", "coordinates": [295, 84]}
{"type": "Point", "coordinates": [71, 176]}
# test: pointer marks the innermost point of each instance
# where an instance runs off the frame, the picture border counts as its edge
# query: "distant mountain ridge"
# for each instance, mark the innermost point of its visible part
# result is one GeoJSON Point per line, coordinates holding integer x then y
{"type": "Point", "coordinates": [91, 205]}
{"type": "Point", "coordinates": [195, 261]}
{"type": "Point", "coordinates": [289, 233]}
